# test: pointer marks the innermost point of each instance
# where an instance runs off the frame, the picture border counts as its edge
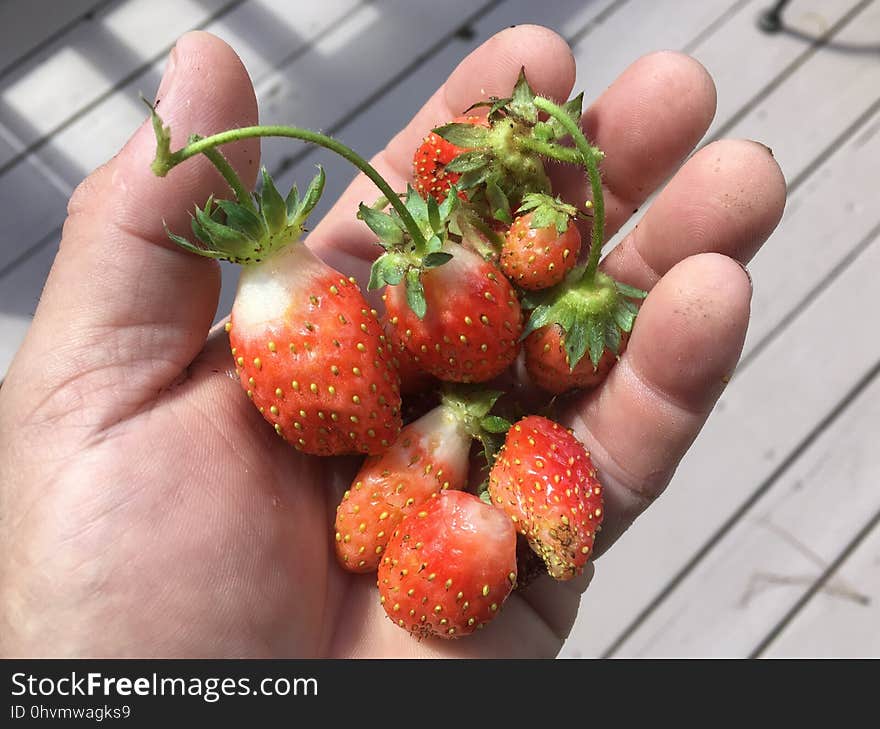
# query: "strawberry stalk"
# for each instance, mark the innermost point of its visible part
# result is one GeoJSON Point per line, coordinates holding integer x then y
{"type": "Point", "coordinates": [166, 160]}
{"type": "Point", "coordinates": [590, 156]}
{"type": "Point", "coordinates": [590, 310]}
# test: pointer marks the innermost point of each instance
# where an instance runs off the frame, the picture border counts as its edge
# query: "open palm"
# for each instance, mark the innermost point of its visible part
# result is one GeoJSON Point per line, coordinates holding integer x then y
{"type": "Point", "coordinates": [145, 506]}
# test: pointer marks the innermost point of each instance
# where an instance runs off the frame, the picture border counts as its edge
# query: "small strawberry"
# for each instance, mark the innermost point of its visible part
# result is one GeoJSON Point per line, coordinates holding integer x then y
{"type": "Point", "coordinates": [413, 379]}
{"type": "Point", "coordinates": [449, 567]}
{"type": "Point", "coordinates": [454, 311]}
{"type": "Point", "coordinates": [308, 348]}
{"type": "Point", "coordinates": [549, 367]}
{"type": "Point", "coordinates": [544, 480]}
{"type": "Point", "coordinates": [430, 160]}
{"type": "Point", "coordinates": [542, 244]}
{"type": "Point", "coordinates": [473, 320]}
{"type": "Point", "coordinates": [583, 314]}
{"type": "Point", "coordinates": [429, 456]}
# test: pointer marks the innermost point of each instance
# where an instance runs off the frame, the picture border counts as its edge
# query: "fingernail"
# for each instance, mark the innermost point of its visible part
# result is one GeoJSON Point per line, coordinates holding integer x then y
{"type": "Point", "coordinates": [748, 274]}
{"type": "Point", "coordinates": [168, 77]}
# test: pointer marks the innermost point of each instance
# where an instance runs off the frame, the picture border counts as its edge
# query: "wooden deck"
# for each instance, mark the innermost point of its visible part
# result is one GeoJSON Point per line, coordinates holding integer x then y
{"type": "Point", "coordinates": [767, 542]}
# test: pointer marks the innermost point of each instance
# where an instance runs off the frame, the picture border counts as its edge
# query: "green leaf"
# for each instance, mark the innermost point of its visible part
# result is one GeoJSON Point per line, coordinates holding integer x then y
{"type": "Point", "coordinates": [434, 215]}
{"type": "Point", "coordinates": [437, 258]}
{"type": "Point", "coordinates": [624, 318]}
{"type": "Point", "coordinates": [272, 205]}
{"type": "Point", "coordinates": [474, 178]}
{"type": "Point", "coordinates": [541, 317]}
{"type": "Point", "coordinates": [382, 224]}
{"type": "Point", "coordinates": [573, 109]}
{"type": "Point", "coordinates": [223, 238]}
{"type": "Point", "coordinates": [292, 201]}
{"type": "Point", "coordinates": [612, 337]}
{"type": "Point", "coordinates": [466, 136]}
{"type": "Point", "coordinates": [387, 269]}
{"type": "Point", "coordinates": [242, 219]}
{"type": "Point", "coordinates": [544, 132]}
{"type": "Point", "coordinates": [198, 250]}
{"type": "Point", "coordinates": [449, 204]}
{"type": "Point", "coordinates": [467, 161]}
{"type": "Point", "coordinates": [523, 102]}
{"type": "Point", "coordinates": [417, 207]}
{"type": "Point", "coordinates": [577, 337]}
{"type": "Point", "coordinates": [415, 293]}
{"type": "Point", "coordinates": [433, 244]}
{"type": "Point", "coordinates": [596, 334]}
{"type": "Point", "coordinates": [498, 203]}
{"type": "Point", "coordinates": [631, 291]}
{"type": "Point", "coordinates": [311, 198]}
{"type": "Point", "coordinates": [495, 424]}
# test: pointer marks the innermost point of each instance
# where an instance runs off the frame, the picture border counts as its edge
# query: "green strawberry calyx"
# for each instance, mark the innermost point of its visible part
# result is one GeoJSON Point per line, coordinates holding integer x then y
{"type": "Point", "coordinates": [548, 211]}
{"type": "Point", "coordinates": [593, 314]}
{"type": "Point", "coordinates": [591, 308]}
{"type": "Point", "coordinates": [246, 232]}
{"type": "Point", "coordinates": [505, 161]}
{"type": "Point", "coordinates": [167, 159]}
{"type": "Point", "coordinates": [472, 406]}
{"type": "Point", "coordinates": [405, 258]}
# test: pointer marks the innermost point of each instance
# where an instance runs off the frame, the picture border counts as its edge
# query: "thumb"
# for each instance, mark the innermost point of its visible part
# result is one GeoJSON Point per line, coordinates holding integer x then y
{"type": "Point", "coordinates": [124, 311]}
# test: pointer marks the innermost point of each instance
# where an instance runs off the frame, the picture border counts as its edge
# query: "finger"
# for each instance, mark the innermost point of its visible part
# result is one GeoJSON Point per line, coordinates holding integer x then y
{"type": "Point", "coordinates": [684, 347]}
{"type": "Point", "coordinates": [646, 123]}
{"type": "Point", "coordinates": [124, 310]}
{"type": "Point", "coordinates": [491, 69]}
{"type": "Point", "coordinates": [727, 198]}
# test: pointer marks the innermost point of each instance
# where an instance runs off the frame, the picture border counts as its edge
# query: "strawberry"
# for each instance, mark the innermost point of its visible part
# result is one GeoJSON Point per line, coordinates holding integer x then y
{"type": "Point", "coordinates": [453, 311]}
{"type": "Point", "coordinates": [308, 348]}
{"type": "Point", "coordinates": [544, 480]}
{"type": "Point", "coordinates": [413, 379]}
{"type": "Point", "coordinates": [431, 158]}
{"type": "Point", "coordinates": [449, 567]}
{"type": "Point", "coordinates": [548, 364]}
{"type": "Point", "coordinates": [586, 313]}
{"type": "Point", "coordinates": [429, 456]}
{"type": "Point", "coordinates": [470, 330]}
{"type": "Point", "coordinates": [500, 161]}
{"type": "Point", "coordinates": [542, 244]}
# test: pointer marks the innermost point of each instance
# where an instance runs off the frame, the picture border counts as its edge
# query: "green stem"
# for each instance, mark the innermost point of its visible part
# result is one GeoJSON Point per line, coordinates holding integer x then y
{"type": "Point", "coordinates": [548, 149]}
{"type": "Point", "coordinates": [222, 164]}
{"type": "Point", "coordinates": [167, 162]}
{"type": "Point", "coordinates": [590, 156]}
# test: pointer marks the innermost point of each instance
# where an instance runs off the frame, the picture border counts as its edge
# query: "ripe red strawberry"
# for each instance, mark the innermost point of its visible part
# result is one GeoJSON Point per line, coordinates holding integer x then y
{"type": "Point", "coordinates": [429, 456]}
{"type": "Point", "coordinates": [431, 158]}
{"type": "Point", "coordinates": [544, 480]}
{"type": "Point", "coordinates": [542, 244]}
{"type": "Point", "coordinates": [547, 362]}
{"type": "Point", "coordinates": [413, 379]}
{"type": "Point", "coordinates": [449, 567]}
{"type": "Point", "coordinates": [307, 346]}
{"type": "Point", "coordinates": [472, 323]}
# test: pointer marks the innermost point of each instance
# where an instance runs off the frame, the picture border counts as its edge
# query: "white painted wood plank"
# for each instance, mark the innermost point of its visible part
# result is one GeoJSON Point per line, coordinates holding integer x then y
{"type": "Point", "coordinates": [784, 543]}
{"type": "Point", "coordinates": [612, 605]}
{"type": "Point", "coordinates": [27, 23]}
{"type": "Point", "coordinates": [637, 28]}
{"type": "Point", "coordinates": [71, 73]}
{"type": "Point", "coordinates": [843, 619]}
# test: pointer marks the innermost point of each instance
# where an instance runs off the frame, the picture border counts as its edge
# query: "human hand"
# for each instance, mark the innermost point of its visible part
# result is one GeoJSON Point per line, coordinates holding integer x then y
{"type": "Point", "coordinates": [147, 508]}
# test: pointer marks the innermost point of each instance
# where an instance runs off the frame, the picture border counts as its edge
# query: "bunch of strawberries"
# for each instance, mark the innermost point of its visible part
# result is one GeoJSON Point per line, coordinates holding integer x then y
{"type": "Point", "coordinates": [479, 262]}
